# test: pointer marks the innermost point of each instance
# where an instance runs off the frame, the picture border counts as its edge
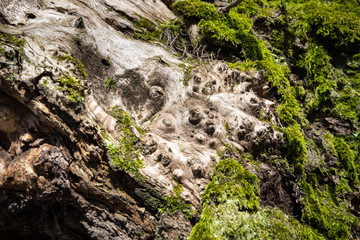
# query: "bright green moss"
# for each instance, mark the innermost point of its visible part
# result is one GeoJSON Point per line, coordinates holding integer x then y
{"type": "Point", "coordinates": [290, 111]}
{"type": "Point", "coordinates": [148, 31]}
{"type": "Point", "coordinates": [316, 62]}
{"type": "Point", "coordinates": [336, 21]}
{"type": "Point", "coordinates": [76, 63]}
{"type": "Point", "coordinates": [226, 222]}
{"type": "Point", "coordinates": [72, 88]}
{"type": "Point", "coordinates": [296, 144]}
{"type": "Point", "coordinates": [346, 158]}
{"type": "Point", "coordinates": [231, 210]}
{"type": "Point", "coordinates": [347, 104]}
{"type": "Point", "coordinates": [253, 8]}
{"type": "Point", "coordinates": [187, 68]}
{"type": "Point", "coordinates": [231, 181]}
{"type": "Point", "coordinates": [124, 155]}
{"type": "Point", "coordinates": [234, 30]}
{"type": "Point", "coordinates": [197, 9]}
{"type": "Point", "coordinates": [219, 32]}
{"type": "Point", "coordinates": [331, 219]}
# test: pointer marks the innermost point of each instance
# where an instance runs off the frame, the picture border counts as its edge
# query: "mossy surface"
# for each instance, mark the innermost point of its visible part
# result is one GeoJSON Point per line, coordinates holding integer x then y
{"type": "Point", "coordinates": [310, 56]}
{"type": "Point", "coordinates": [175, 202]}
{"type": "Point", "coordinates": [72, 88]}
{"type": "Point", "coordinates": [124, 152]}
{"type": "Point", "coordinates": [332, 219]}
{"type": "Point", "coordinates": [232, 211]}
{"type": "Point", "coordinates": [77, 63]}
{"type": "Point", "coordinates": [16, 54]}
{"type": "Point", "coordinates": [11, 39]}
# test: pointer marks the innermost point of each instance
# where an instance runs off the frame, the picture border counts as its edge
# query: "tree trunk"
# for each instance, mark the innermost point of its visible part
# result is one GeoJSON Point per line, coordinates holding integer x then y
{"type": "Point", "coordinates": [227, 8]}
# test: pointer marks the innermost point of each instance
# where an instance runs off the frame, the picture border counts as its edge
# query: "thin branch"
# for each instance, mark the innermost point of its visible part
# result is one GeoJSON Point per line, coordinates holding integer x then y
{"type": "Point", "coordinates": [227, 8]}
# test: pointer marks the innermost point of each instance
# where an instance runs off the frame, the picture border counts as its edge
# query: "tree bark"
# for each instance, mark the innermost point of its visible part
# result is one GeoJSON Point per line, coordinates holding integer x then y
{"type": "Point", "coordinates": [227, 8]}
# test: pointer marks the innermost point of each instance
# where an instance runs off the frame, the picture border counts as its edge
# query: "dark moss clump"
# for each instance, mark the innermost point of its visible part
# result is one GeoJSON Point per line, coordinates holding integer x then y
{"type": "Point", "coordinates": [11, 40]}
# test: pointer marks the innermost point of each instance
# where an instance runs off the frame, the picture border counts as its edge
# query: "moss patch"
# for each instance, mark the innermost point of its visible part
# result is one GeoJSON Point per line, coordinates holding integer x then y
{"type": "Point", "coordinates": [124, 154]}
{"type": "Point", "coordinates": [231, 210]}
{"type": "Point", "coordinates": [176, 202]}
{"type": "Point", "coordinates": [79, 66]}
{"type": "Point", "coordinates": [72, 88]}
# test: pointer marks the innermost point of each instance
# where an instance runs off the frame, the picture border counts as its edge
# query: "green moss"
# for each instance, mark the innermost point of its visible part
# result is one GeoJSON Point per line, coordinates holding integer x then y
{"type": "Point", "coordinates": [347, 104]}
{"type": "Point", "coordinates": [346, 158]}
{"type": "Point", "coordinates": [147, 30]}
{"type": "Point", "coordinates": [231, 181]}
{"type": "Point", "coordinates": [11, 39]}
{"type": "Point", "coordinates": [332, 219]}
{"type": "Point", "coordinates": [76, 62]}
{"type": "Point", "coordinates": [187, 73]}
{"type": "Point", "coordinates": [231, 210]}
{"type": "Point", "coordinates": [175, 202]}
{"type": "Point", "coordinates": [110, 84]}
{"type": "Point", "coordinates": [233, 30]}
{"type": "Point", "coordinates": [124, 154]}
{"type": "Point", "coordinates": [197, 9]}
{"type": "Point", "coordinates": [336, 21]}
{"type": "Point", "coordinates": [72, 88]}
{"type": "Point", "coordinates": [296, 144]}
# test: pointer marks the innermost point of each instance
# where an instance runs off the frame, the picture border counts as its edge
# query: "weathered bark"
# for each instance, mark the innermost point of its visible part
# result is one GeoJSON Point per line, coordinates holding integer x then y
{"type": "Point", "coordinates": [231, 5]}
{"type": "Point", "coordinates": [55, 178]}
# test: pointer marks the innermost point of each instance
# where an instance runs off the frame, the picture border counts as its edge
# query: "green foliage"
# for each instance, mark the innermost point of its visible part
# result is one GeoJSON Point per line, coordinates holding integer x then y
{"type": "Point", "coordinates": [175, 202]}
{"type": "Point", "coordinates": [76, 62]}
{"type": "Point", "coordinates": [124, 154]}
{"type": "Point", "coordinates": [187, 73]}
{"type": "Point", "coordinates": [230, 30]}
{"type": "Point", "coordinates": [347, 104]}
{"type": "Point", "coordinates": [148, 31]}
{"type": "Point", "coordinates": [233, 30]}
{"type": "Point", "coordinates": [332, 219]}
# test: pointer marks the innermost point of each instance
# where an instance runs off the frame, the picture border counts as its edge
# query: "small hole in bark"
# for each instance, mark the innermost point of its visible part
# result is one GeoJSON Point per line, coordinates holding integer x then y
{"type": "Point", "coordinates": [105, 62]}
{"type": "Point", "coordinates": [30, 16]}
